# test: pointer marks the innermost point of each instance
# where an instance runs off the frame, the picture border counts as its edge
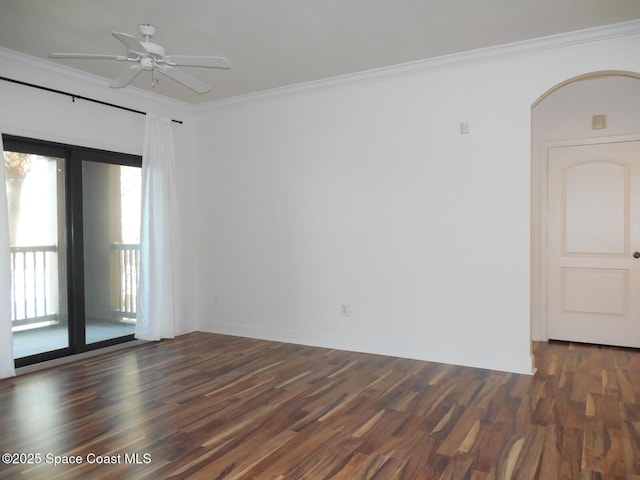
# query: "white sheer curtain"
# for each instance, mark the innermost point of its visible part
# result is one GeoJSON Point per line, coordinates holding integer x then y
{"type": "Point", "coordinates": [7, 368]}
{"type": "Point", "coordinates": [159, 293]}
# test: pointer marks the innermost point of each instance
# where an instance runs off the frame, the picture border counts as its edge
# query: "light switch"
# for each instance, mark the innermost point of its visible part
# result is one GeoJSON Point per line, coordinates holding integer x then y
{"type": "Point", "coordinates": [599, 122]}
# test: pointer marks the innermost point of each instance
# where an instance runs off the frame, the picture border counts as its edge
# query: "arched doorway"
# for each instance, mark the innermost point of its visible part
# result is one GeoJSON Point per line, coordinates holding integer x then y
{"type": "Point", "coordinates": [595, 108]}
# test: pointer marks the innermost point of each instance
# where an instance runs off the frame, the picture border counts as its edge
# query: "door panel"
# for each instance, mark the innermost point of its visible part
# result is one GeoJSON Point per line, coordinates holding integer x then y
{"type": "Point", "coordinates": [608, 288]}
{"type": "Point", "coordinates": [595, 211]}
{"type": "Point", "coordinates": [593, 220]}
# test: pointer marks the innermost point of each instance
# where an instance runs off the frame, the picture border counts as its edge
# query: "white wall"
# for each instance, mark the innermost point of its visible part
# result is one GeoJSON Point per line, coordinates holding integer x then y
{"type": "Point", "coordinates": [48, 116]}
{"type": "Point", "coordinates": [565, 116]}
{"type": "Point", "coordinates": [366, 193]}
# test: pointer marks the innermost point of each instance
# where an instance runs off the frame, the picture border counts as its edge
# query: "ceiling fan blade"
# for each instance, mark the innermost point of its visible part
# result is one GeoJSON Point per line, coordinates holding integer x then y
{"type": "Point", "coordinates": [187, 80]}
{"type": "Point", "coordinates": [198, 61]}
{"type": "Point", "coordinates": [126, 77]}
{"type": "Point", "coordinates": [90, 56]}
{"type": "Point", "coordinates": [130, 42]}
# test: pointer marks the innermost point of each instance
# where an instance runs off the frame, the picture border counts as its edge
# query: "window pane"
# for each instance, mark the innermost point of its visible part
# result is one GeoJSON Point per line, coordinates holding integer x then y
{"type": "Point", "coordinates": [111, 227]}
{"type": "Point", "coordinates": [35, 194]}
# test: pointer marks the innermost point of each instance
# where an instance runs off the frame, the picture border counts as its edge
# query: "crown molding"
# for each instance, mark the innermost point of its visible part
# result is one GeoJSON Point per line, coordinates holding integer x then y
{"type": "Point", "coordinates": [481, 55]}
{"type": "Point", "coordinates": [91, 84]}
{"type": "Point", "coordinates": [34, 65]}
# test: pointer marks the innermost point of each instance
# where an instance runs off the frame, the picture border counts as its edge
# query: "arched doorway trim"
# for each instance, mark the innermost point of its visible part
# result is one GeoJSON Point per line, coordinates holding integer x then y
{"type": "Point", "coordinates": [585, 76]}
{"type": "Point", "coordinates": [538, 206]}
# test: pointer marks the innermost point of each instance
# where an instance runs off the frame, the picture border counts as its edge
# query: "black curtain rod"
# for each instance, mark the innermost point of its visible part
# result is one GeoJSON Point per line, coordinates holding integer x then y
{"type": "Point", "coordinates": [74, 96]}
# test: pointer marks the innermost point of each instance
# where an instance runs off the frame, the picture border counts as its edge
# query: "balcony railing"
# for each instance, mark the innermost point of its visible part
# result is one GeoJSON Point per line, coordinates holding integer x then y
{"type": "Point", "coordinates": [34, 284]}
{"type": "Point", "coordinates": [129, 261]}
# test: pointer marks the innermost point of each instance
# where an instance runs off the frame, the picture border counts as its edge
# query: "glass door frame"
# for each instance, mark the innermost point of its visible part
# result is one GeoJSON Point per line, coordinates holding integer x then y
{"type": "Point", "coordinates": [73, 157]}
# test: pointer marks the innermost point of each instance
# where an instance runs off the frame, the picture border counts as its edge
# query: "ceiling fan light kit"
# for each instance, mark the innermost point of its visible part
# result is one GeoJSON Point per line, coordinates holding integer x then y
{"type": "Point", "coordinates": [148, 56]}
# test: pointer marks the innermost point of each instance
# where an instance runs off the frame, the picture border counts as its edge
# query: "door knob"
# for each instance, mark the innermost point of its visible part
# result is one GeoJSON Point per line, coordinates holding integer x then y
{"type": "Point", "coordinates": [636, 255]}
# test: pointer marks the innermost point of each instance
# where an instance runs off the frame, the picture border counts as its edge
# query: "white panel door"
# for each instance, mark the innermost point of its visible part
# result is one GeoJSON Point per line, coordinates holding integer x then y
{"type": "Point", "coordinates": [594, 232]}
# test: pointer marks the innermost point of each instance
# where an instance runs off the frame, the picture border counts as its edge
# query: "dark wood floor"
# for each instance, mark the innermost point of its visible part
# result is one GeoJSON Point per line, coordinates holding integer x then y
{"type": "Point", "coordinates": [217, 407]}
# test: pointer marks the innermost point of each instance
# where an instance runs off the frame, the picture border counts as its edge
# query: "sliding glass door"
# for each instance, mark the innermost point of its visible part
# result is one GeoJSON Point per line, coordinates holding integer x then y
{"type": "Point", "coordinates": [74, 228]}
{"type": "Point", "coordinates": [37, 235]}
{"type": "Point", "coordinates": [111, 225]}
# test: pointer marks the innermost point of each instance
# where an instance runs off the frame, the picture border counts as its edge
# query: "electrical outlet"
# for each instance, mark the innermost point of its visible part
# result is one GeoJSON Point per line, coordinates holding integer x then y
{"type": "Point", "coordinates": [345, 310]}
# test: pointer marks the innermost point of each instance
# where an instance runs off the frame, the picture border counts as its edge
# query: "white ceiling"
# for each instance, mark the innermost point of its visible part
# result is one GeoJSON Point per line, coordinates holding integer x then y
{"type": "Point", "coordinates": [274, 43]}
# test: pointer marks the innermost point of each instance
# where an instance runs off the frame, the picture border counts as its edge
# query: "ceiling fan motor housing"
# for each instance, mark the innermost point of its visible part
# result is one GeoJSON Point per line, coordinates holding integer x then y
{"type": "Point", "coordinates": [157, 51]}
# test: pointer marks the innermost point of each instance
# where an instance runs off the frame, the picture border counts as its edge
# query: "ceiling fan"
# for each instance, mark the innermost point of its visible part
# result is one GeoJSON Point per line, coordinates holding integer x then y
{"type": "Point", "coordinates": [147, 56]}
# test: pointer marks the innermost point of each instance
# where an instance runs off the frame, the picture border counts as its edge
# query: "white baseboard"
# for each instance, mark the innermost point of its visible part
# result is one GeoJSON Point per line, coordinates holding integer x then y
{"type": "Point", "coordinates": [522, 364]}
